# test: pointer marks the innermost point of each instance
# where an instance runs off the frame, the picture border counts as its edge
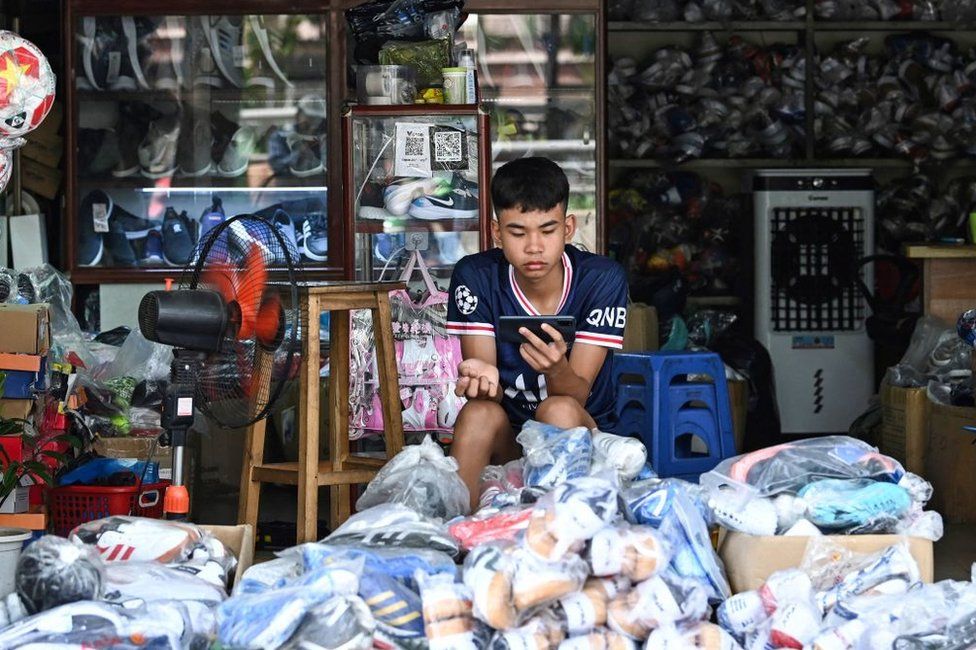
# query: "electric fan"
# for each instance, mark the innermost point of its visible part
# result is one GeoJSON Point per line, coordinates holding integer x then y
{"type": "Point", "coordinates": [234, 333]}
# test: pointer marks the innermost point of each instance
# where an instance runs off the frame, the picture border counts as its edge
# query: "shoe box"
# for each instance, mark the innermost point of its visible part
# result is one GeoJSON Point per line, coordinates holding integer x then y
{"type": "Point", "coordinates": [904, 425]}
{"type": "Point", "coordinates": [136, 448]}
{"type": "Point", "coordinates": [25, 336]}
{"type": "Point", "coordinates": [750, 559]}
{"type": "Point", "coordinates": [950, 456]}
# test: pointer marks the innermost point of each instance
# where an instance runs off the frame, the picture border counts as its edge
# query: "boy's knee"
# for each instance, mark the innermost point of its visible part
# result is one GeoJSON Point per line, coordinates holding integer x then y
{"type": "Point", "coordinates": [559, 410]}
{"type": "Point", "coordinates": [477, 418]}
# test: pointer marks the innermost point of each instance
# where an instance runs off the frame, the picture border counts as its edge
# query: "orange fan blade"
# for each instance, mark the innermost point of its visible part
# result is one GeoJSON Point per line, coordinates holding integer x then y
{"type": "Point", "coordinates": [268, 321]}
{"type": "Point", "coordinates": [250, 287]}
{"type": "Point", "coordinates": [220, 278]}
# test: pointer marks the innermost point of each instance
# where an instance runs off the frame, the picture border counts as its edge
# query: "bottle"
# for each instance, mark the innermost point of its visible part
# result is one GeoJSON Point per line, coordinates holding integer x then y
{"type": "Point", "coordinates": [466, 61]}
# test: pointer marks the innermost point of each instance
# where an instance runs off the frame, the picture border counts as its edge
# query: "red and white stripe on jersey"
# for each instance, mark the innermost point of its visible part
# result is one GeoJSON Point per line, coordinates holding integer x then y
{"type": "Point", "coordinates": [528, 306]}
{"type": "Point", "coordinates": [456, 328]}
{"type": "Point", "coordinates": [605, 340]}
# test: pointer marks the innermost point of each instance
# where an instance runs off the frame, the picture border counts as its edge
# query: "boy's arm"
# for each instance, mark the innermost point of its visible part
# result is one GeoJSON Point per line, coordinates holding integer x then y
{"type": "Point", "coordinates": [478, 373]}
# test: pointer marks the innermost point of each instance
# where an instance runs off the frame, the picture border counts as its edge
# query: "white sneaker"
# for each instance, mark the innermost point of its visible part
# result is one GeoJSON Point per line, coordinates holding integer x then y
{"type": "Point", "coordinates": [398, 195]}
{"type": "Point", "coordinates": [625, 455]}
{"type": "Point", "coordinates": [754, 516]}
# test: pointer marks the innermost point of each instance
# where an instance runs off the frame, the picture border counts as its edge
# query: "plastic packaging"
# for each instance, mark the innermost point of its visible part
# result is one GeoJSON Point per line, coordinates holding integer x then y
{"type": "Point", "coordinates": [502, 485]}
{"type": "Point", "coordinates": [53, 571]}
{"type": "Point", "coordinates": [448, 620]}
{"type": "Point", "coordinates": [699, 635]}
{"type": "Point", "coordinates": [598, 639]}
{"type": "Point", "coordinates": [536, 582]}
{"type": "Point", "coordinates": [623, 455]}
{"type": "Point", "coordinates": [635, 552]}
{"type": "Point", "coordinates": [427, 58]}
{"type": "Point", "coordinates": [654, 603]}
{"type": "Point", "coordinates": [488, 574]}
{"type": "Point", "coordinates": [569, 516]}
{"type": "Point", "coordinates": [490, 526]}
{"type": "Point", "coordinates": [539, 633]}
{"type": "Point", "coordinates": [401, 564]}
{"type": "Point", "coordinates": [791, 466]}
{"type": "Point", "coordinates": [554, 455]}
{"type": "Point", "coordinates": [857, 506]}
{"type": "Point", "coordinates": [585, 610]}
{"type": "Point", "coordinates": [393, 525]}
{"type": "Point", "coordinates": [422, 478]}
{"type": "Point", "coordinates": [340, 623]}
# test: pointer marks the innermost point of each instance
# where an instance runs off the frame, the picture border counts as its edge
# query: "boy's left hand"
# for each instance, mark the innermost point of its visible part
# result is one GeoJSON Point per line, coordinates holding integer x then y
{"type": "Point", "coordinates": [545, 358]}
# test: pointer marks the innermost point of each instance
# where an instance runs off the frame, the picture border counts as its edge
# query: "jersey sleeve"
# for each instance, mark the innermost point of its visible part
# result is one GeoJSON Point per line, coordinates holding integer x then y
{"type": "Point", "coordinates": [469, 311]}
{"type": "Point", "coordinates": [604, 312]}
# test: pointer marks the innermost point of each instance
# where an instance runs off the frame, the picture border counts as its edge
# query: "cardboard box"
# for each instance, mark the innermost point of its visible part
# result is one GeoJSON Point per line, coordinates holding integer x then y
{"type": "Point", "coordinates": [44, 147]}
{"type": "Point", "coordinates": [23, 384]}
{"type": "Point", "coordinates": [34, 519]}
{"type": "Point", "coordinates": [26, 362]}
{"type": "Point", "coordinates": [17, 502]}
{"type": "Point", "coordinates": [16, 408]}
{"type": "Point", "coordinates": [950, 462]}
{"type": "Point", "coordinates": [739, 401]}
{"type": "Point", "coordinates": [40, 179]}
{"type": "Point", "coordinates": [904, 428]}
{"type": "Point", "coordinates": [239, 539]}
{"type": "Point", "coordinates": [640, 334]}
{"type": "Point", "coordinates": [750, 559]}
{"type": "Point", "coordinates": [137, 448]}
{"type": "Point", "coordinates": [25, 329]}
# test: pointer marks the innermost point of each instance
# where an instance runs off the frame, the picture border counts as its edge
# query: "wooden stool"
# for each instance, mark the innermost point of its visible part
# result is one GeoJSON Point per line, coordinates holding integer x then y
{"type": "Point", "coordinates": [341, 469]}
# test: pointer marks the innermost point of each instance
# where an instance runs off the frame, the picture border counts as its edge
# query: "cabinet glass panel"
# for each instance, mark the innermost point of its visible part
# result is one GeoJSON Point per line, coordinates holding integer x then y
{"type": "Point", "coordinates": [415, 183]}
{"type": "Point", "coordinates": [183, 121]}
{"type": "Point", "coordinates": [537, 73]}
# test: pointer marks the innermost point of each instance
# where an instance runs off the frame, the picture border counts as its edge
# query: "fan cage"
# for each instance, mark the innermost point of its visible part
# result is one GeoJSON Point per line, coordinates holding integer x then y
{"type": "Point", "coordinates": [229, 389]}
{"type": "Point", "coordinates": [842, 312]}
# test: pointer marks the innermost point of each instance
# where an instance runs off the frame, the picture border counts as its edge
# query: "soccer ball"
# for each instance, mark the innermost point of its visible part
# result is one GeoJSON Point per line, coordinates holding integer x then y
{"type": "Point", "coordinates": [466, 301]}
{"type": "Point", "coordinates": [26, 86]}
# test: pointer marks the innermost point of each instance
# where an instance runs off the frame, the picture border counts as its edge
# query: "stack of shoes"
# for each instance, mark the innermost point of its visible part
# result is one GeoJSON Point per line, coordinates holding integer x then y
{"type": "Point", "coordinates": [917, 100]}
{"type": "Point", "coordinates": [662, 222]}
{"type": "Point", "coordinates": [740, 100]}
{"type": "Point", "coordinates": [261, 45]}
{"type": "Point", "coordinates": [300, 150]}
{"type": "Point", "coordinates": [914, 209]}
{"type": "Point", "coordinates": [955, 11]}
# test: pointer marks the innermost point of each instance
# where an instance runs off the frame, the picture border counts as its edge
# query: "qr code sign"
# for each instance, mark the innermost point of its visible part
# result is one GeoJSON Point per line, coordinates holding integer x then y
{"type": "Point", "coordinates": [447, 146]}
{"type": "Point", "coordinates": [413, 145]}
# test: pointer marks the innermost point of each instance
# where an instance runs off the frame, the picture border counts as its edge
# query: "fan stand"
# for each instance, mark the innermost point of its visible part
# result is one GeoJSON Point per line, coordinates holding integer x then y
{"type": "Point", "coordinates": [176, 419]}
{"type": "Point", "coordinates": [343, 469]}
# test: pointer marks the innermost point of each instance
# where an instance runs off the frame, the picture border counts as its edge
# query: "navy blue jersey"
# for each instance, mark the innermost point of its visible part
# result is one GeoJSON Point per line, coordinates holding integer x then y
{"type": "Point", "coordinates": [483, 287]}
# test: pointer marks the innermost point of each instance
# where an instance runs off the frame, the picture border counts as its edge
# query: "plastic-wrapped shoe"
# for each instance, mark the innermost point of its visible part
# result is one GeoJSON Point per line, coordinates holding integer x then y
{"type": "Point", "coordinates": [223, 34]}
{"type": "Point", "coordinates": [260, 34]}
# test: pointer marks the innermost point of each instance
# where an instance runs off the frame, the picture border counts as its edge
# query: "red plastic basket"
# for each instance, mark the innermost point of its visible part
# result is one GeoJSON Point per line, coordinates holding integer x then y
{"type": "Point", "coordinates": [74, 505]}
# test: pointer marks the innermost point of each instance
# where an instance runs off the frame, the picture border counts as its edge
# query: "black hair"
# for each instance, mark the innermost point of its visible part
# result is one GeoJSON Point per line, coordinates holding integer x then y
{"type": "Point", "coordinates": [529, 185]}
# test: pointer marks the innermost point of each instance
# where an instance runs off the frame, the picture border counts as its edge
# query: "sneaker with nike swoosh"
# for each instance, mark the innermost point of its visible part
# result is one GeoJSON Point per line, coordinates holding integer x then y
{"type": "Point", "coordinates": [461, 203]}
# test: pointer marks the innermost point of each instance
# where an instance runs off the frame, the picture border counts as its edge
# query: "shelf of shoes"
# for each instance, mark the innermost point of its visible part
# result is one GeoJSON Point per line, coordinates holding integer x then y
{"type": "Point", "coordinates": [415, 225]}
{"type": "Point", "coordinates": [710, 26]}
{"type": "Point", "coordinates": [749, 163]}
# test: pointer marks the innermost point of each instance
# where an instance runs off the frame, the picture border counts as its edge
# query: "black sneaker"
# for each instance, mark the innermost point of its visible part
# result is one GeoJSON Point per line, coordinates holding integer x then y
{"type": "Point", "coordinates": [123, 221]}
{"type": "Point", "coordinates": [90, 245]}
{"type": "Point", "coordinates": [315, 240]}
{"type": "Point", "coordinates": [100, 53]}
{"type": "Point", "coordinates": [371, 204]}
{"type": "Point", "coordinates": [134, 118]}
{"type": "Point", "coordinates": [152, 250]}
{"type": "Point", "coordinates": [120, 248]}
{"type": "Point", "coordinates": [179, 238]}
{"type": "Point", "coordinates": [25, 288]}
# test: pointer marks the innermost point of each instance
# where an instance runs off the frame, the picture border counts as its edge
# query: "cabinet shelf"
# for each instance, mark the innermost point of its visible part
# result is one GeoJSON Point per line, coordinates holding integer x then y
{"type": "Point", "coordinates": [205, 183]}
{"type": "Point", "coordinates": [890, 26]}
{"type": "Point", "coordinates": [711, 26]}
{"type": "Point", "coordinates": [415, 225]}
{"type": "Point", "coordinates": [720, 163]}
{"type": "Point", "coordinates": [257, 94]}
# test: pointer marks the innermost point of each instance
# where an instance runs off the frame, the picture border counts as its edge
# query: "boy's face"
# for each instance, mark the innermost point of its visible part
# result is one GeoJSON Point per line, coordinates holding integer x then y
{"type": "Point", "coordinates": [533, 242]}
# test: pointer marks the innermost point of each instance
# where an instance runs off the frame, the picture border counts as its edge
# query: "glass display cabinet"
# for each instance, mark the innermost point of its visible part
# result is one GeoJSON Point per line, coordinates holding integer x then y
{"type": "Point", "coordinates": [180, 121]}
{"type": "Point", "coordinates": [414, 177]}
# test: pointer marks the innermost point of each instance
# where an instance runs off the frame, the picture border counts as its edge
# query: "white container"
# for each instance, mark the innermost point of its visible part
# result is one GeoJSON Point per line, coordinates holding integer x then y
{"type": "Point", "coordinates": [11, 542]}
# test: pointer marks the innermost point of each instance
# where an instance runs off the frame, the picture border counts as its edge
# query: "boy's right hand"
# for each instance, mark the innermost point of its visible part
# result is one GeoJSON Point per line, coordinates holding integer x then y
{"type": "Point", "coordinates": [477, 380]}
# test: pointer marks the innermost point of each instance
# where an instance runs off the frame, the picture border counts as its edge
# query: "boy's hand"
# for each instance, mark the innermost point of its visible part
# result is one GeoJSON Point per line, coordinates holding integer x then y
{"type": "Point", "coordinates": [545, 358]}
{"type": "Point", "coordinates": [477, 380]}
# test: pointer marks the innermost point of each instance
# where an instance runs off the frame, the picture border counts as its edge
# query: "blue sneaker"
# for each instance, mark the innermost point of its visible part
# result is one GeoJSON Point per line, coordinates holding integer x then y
{"type": "Point", "coordinates": [152, 251]}
{"type": "Point", "coordinates": [212, 217]}
{"type": "Point", "coordinates": [387, 245]}
{"type": "Point", "coordinates": [396, 608]}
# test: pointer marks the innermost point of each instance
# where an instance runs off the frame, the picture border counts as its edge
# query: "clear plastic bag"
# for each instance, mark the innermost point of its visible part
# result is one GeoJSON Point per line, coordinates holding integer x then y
{"type": "Point", "coordinates": [635, 552]}
{"type": "Point", "coordinates": [340, 623]}
{"type": "Point", "coordinates": [401, 564]}
{"type": "Point", "coordinates": [537, 582]}
{"type": "Point", "coordinates": [569, 516]}
{"type": "Point", "coordinates": [420, 477]}
{"type": "Point", "coordinates": [448, 620]}
{"type": "Point", "coordinates": [502, 485]}
{"type": "Point", "coordinates": [393, 525]}
{"type": "Point", "coordinates": [656, 602]}
{"type": "Point", "coordinates": [855, 506]}
{"type": "Point", "coordinates": [698, 635]}
{"type": "Point", "coordinates": [53, 571]}
{"type": "Point", "coordinates": [554, 455]}
{"type": "Point", "coordinates": [791, 466]}
{"type": "Point", "coordinates": [490, 526]}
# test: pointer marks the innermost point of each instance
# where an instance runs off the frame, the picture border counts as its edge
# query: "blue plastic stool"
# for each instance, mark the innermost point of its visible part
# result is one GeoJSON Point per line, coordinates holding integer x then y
{"type": "Point", "coordinates": [657, 403]}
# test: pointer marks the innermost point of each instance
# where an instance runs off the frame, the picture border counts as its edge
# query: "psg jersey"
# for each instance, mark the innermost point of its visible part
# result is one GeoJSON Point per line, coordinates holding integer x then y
{"type": "Point", "coordinates": [483, 287]}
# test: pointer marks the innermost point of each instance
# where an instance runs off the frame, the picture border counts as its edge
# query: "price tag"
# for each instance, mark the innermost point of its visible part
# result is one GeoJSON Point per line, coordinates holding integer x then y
{"type": "Point", "coordinates": [114, 65]}
{"type": "Point", "coordinates": [100, 217]}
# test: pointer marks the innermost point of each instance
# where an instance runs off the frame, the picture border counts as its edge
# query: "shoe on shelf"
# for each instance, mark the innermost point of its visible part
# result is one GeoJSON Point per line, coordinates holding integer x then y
{"type": "Point", "coordinates": [260, 34]}
{"type": "Point", "coordinates": [133, 125]}
{"type": "Point", "coordinates": [387, 245]}
{"type": "Point", "coordinates": [306, 154]}
{"type": "Point", "coordinates": [119, 247]}
{"type": "Point", "coordinates": [98, 151]}
{"type": "Point", "coordinates": [315, 236]}
{"type": "Point", "coordinates": [241, 239]}
{"type": "Point", "coordinates": [398, 195]}
{"type": "Point", "coordinates": [286, 228]}
{"type": "Point", "coordinates": [460, 203]}
{"type": "Point", "coordinates": [371, 205]}
{"type": "Point", "coordinates": [166, 62]}
{"type": "Point", "coordinates": [123, 221]}
{"type": "Point", "coordinates": [90, 245]}
{"type": "Point", "coordinates": [237, 154]}
{"type": "Point", "coordinates": [195, 146]}
{"type": "Point", "coordinates": [199, 68]}
{"type": "Point", "coordinates": [223, 34]}
{"type": "Point", "coordinates": [157, 151]}
{"type": "Point", "coordinates": [212, 216]}
{"type": "Point", "coordinates": [101, 54]}
{"type": "Point", "coordinates": [137, 32]}
{"type": "Point", "coordinates": [179, 238]}
{"type": "Point", "coordinates": [26, 293]}
{"type": "Point", "coordinates": [152, 250]}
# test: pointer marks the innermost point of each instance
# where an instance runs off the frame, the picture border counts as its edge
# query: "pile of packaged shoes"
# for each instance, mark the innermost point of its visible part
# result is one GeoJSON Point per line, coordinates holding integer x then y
{"type": "Point", "coordinates": [740, 100]}
{"type": "Point", "coordinates": [958, 11]}
{"type": "Point", "coordinates": [675, 221]}
{"type": "Point", "coordinates": [702, 10]}
{"type": "Point", "coordinates": [917, 99]}
{"type": "Point", "coordinates": [914, 209]}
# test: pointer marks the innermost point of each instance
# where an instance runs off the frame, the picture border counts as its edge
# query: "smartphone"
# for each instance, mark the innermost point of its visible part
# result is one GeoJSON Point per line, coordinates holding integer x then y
{"type": "Point", "coordinates": [508, 327]}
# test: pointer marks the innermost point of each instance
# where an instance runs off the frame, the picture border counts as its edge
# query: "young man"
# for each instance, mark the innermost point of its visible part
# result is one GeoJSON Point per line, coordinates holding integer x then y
{"type": "Point", "coordinates": [534, 271]}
